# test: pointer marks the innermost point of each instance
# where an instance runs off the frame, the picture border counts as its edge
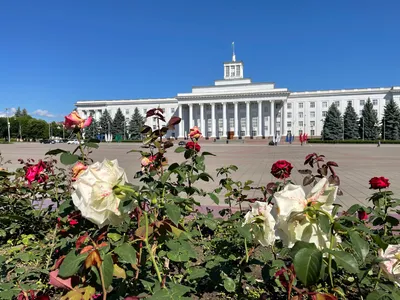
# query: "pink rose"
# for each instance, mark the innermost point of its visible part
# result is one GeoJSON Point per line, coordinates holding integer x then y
{"type": "Point", "coordinates": [74, 120]}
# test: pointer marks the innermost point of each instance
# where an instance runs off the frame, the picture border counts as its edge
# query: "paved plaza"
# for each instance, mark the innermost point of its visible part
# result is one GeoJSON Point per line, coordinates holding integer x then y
{"type": "Point", "coordinates": [357, 163]}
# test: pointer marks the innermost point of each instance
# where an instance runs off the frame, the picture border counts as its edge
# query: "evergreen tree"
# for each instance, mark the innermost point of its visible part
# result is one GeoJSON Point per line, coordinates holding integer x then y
{"type": "Point", "coordinates": [91, 131]}
{"type": "Point", "coordinates": [136, 124]}
{"type": "Point", "coordinates": [105, 122]}
{"type": "Point", "coordinates": [118, 123]}
{"type": "Point", "coordinates": [350, 123]}
{"type": "Point", "coordinates": [18, 113]}
{"type": "Point", "coordinates": [368, 122]}
{"type": "Point", "coordinates": [390, 124]}
{"type": "Point", "coordinates": [24, 112]}
{"type": "Point", "coordinates": [333, 124]}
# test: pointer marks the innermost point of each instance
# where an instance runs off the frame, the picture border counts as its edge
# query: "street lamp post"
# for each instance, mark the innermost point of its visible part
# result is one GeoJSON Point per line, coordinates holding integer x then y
{"type": "Point", "coordinates": [8, 126]}
{"type": "Point", "coordinates": [363, 129]}
{"type": "Point", "coordinates": [384, 129]}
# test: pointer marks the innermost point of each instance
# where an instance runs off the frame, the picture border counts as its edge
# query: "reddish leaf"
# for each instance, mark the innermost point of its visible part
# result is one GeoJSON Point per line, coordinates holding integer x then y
{"type": "Point", "coordinates": [332, 163]}
{"type": "Point", "coordinates": [81, 240]}
{"type": "Point", "coordinates": [151, 112]}
{"type": "Point", "coordinates": [86, 249]}
{"type": "Point", "coordinates": [308, 180]}
{"type": "Point", "coordinates": [59, 261]}
{"type": "Point", "coordinates": [323, 296]}
{"type": "Point", "coordinates": [173, 121]}
{"type": "Point", "coordinates": [305, 171]}
{"type": "Point", "coordinates": [59, 282]}
{"type": "Point", "coordinates": [93, 259]}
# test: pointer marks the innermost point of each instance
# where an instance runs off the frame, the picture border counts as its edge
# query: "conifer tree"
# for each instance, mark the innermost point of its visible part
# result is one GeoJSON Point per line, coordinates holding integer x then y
{"type": "Point", "coordinates": [24, 112]}
{"type": "Point", "coordinates": [118, 123]}
{"type": "Point", "coordinates": [18, 113]}
{"type": "Point", "coordinates": [368, 124]}
{"type": "Point", "coordinates": [333, 124]}
{"type": "Point", "coordinates": [390, 125]}
{"type": "Point", "coordinates": [105, 122]}
{"type": "Point", "coordinates": [135, 125]}
{"type": "Point", "coordinates": [350, 123]}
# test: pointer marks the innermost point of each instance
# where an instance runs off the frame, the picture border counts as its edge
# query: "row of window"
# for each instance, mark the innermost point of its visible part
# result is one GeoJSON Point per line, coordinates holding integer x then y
{"type": "Point", "coordinates": [128, 112]}
{"type": "Point", "coordinates": [337, 103]}
{"type": "Point", "coordinates": [312, 114]}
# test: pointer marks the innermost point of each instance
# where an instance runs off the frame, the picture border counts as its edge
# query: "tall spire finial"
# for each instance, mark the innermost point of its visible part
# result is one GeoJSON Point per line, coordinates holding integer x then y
{"type": "Point", "coordinates": [233, 52]}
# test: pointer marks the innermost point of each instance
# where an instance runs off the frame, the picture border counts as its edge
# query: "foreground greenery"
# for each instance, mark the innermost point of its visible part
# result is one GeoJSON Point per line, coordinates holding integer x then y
{"type": "Point", "coordinates": [78, 235]}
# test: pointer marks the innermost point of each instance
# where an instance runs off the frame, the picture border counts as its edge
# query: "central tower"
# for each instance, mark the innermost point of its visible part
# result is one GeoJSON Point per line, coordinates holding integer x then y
{"type": "Point", "coordinates": [233, 69]}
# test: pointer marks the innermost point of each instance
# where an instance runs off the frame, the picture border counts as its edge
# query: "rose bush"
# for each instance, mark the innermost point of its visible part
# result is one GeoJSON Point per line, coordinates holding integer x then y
{"type": "Point", "coordinates": [87, 233]}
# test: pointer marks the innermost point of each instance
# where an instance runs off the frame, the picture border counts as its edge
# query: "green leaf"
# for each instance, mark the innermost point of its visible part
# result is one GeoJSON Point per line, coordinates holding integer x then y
{"type": "Point", "coordinates": [55, 152]}
{"type": "Point", "coordinates": [301, 245]}
{"type": "Point", "coordinates": [180, 149]}
{"type": "Point", "coordinates": [114, 236]}
{"type": "Point", "coordinates": [360, 246]}
{"type": "Point", "coordinates": [92, 145]}
{"type": "Point", "coordinates": [68, 158]}
{"type": "Point", "coordinates": [178, 255]}
{"type": "Point", "coordinates": [127, 253]}
{"type": "Point", "coordinates": [379, 295]}
{"type": "Point", "coordinates": [107, 267]}
{"type": "Point", "coordinates": [2, 259]}
{"type": "Point", "coordinates": [345, 260]}
{"type": "Point", "coordinates": [324, 223]}
{"type": "Point", "coordinates": [207, 153]}
{"type": "Point", "coordinates": [307, 264]}
{"type": "Point", "coordinates": [214, 198]}
{"type": "Point", "coordinates": [173, 212]}
{"type": "Point", "coordinates": [229, 284]}
{"type": "Point", "coordinates": [197, 273]}
{"type": "Point", "coordinates": [71, 264]}
{"type": "Point", "coordinates": [173, 167]}
{"type": "Point", "coordinates": [172, 292]}
{"type": "Point", "coordinates": [245, 231]}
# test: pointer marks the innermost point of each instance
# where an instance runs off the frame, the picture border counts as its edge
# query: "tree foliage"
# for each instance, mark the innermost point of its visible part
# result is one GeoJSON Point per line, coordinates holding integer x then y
{"type": "Point", "coordinates": [91, 131]}
{"type": "Point", "coordinates": [390, 124]}
{"type": "Point", "coordinates": [135, 125]}
{"type": "Point", "coordinates": [18, 113]}
{"type": "Point", "coordinates": [369, 122]}
{"type": "Point", "coordinates": [118, 123]}
{"type": "Point", "coordinates": [333, 124]}
{"type": "Point", "coordinates": [350, 123]}
{"type": "Point", "coordinates": [105, 122]}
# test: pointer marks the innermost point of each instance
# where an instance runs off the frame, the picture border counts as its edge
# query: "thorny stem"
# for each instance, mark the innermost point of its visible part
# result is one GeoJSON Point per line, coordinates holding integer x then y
{"type": "Point", "coordinates": [79, 137]}
{"type": "Point", "coordinates": [149, 248]}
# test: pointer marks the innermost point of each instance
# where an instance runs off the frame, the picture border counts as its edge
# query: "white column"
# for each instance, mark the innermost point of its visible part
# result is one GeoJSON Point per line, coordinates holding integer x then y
{"type": "Point", "coordinates": [224, 119]}
{"type": "Point", "coordinates": [213, 120]}
{"type": "Point", "coordinates": [272, 118]}
{"type": "Point", "coordinates": [180, 111]}
{"type": "Point", "coordinates": [247, 118]}
{"type": "Point", "coordinates": [237, 131]}
{"type": "Point", "coordinates": [202, 124]}
{"type": "Point", "coordinates": [283, 118]}
{"type": "Point", "coordinates": [260, 121]}
{"type": "Point", "coordinates": [191, 115]}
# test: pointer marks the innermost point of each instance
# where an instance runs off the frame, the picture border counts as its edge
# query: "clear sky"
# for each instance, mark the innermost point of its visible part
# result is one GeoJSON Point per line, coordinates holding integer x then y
{"type": "Point", "coordinates": [53, 53]}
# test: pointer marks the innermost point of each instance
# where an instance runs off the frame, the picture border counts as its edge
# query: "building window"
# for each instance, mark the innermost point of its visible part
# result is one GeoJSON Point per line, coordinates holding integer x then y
{"type": "Point", "coordinates": [376, 111]}
{"type": "Point", "coordinates": [312, 104]}
{"type": "Point", "coordinates": [360, 113]}
{"type": "Point", "coordinates": [289, 124]}
{"type": "Point", "coordinates": [209, 124]}
{"type": "Point", "coordinates": [144, 111]}
{"type": "Point", "coordinates": [324, 104]}
{"type": "Point", "coordinates": [254, 122]}
{"type": "Point", "coordinates": [312, 123]}
{"type": "Point", "coordinates": [300, 114]}
{"type": "Point", "coordinates": [289, 115]}
{"type": "Point", "coordinates": [238, 70]}
{"type": "Point", "coordinates": [289, 105]}
{"type": "Point", "coordinates": [243, 124]}
{"type": "Point", "coordinates": [387, 101]}
{"type": "Point", "coordinates": [301, 105]}
{"type": "Point", "coordinates": [231, 124]}
{"type": "Point", "coordinates": [362, 102]}
{"type": "Point", "coordinates": [350, 102]}
{"type": "Point", "coordinates": [226, 71]}
{"type": "Point", "coordinates": [337, 103]}
{"type": "Point", "coordinates": [232, 71]}
{"type": "Point", "coordinates": [127, 111]}
{"type": "Point", "coordinates": [375, 102]}
{"type": "Point", "coordinates": [324, 113]}
{"type": "Point", "coordinates": [154, 127]}
{"type": "Point", "coordinates": [301, 123]}
{"type": "Point", "coordinates": [278, 125]}
{"type": "Point", "coordinates": [312, 114]}
{"type": "Point", "coordinates": [154, 119]}
{"type": "Point", "coordinates": [172, 110]}
{"type": "Point", "coordinates": [312, 132]}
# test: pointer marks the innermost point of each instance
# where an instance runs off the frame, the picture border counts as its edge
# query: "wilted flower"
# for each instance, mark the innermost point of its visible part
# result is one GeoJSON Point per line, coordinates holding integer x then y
{"type": "Point", "coordinates": [379, 183]}
{"type": "Point", "coordinates": [391, 264]}
{"type": "Point", "coordinates": [292, 222]}
{"type": "Point", "coordinates": [77, 170]}
{"type": "Point", "coordinates": [193, 146]}
{"type": "Point", "coordinates": [195, 133]}
{"type": "Point", "coordinates": [74, 120]}
{"type": "Point", "coordinates": [94, 192]}
{"type": "Point", "coordinates": [36, 172]}
{"type": "Point", "coordinates": [260, 214]}
{"type": "Point", "coordinates": [281, 169]}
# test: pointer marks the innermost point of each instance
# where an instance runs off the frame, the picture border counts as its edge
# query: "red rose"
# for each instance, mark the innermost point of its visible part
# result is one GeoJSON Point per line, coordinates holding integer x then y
{"type": "Point", "coordinates": [281, 169]}
{"type": "Point", "coordinates": [362, 215]}
{"type": "Point", "coordinates": [193, 145]}
{"type": "Point", "coordinates": [378, 183]}
{"type": "Point", "coordinates": [34, 173]}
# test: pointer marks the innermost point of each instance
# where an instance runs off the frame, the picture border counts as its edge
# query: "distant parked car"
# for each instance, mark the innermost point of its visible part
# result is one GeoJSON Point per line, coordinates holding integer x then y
{"type": "Point", "coordinates": [74, 142]}
{"type": "Point", "coordinates": [182, 143]}
{"type": "Point", "coordinates": [45, 141]}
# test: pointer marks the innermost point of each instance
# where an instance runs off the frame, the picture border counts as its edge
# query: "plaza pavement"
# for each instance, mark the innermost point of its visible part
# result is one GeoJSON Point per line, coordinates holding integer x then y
{"type": "Point", "coordinates": [357, 163]}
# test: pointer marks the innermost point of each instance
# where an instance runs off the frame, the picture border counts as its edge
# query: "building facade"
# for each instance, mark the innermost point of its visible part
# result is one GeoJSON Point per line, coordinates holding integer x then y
{"type": "Point", "coordinates": [235, 107]}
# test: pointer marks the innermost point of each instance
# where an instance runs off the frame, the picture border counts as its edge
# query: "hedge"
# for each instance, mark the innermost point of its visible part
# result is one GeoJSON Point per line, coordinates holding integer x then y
{"type": "Point", "coordinates": [318, 141]}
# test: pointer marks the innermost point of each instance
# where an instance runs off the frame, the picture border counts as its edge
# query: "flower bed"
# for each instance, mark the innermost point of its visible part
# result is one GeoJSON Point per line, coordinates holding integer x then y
{"type": "Point", "coordinates": [101, 237]}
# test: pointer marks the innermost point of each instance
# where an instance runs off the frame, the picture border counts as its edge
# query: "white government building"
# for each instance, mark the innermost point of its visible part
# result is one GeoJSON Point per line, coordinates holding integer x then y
{"type": "Point", "coordinates": [235, 107]}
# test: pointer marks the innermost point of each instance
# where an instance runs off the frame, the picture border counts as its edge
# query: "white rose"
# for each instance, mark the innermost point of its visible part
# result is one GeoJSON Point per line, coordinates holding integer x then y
{"type": "Point", "coordinates": [391, 264]}
{"type": "Point", "coordinates": [261, 214]}
{"type": "Point", "coordinates": [93, 192]}
{"type": "Point", "coordinates": [292, 224]}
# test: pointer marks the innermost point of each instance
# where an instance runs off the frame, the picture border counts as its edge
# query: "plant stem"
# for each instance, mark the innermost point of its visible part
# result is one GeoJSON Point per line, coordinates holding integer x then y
{"type": "Point", "coordinates": [79, 137]}
{"type": "Point", "coordinates": [149, 248]}
{"type": "Point", "coordinates": [52, 247]}
{"type": "Point", "coordinates": [247, 251]}
{"type": "Point", "coordinates": [102, 283]}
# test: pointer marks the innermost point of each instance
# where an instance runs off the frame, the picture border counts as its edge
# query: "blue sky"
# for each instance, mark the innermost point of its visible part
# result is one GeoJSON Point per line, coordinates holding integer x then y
{"type": "Point", "coordinates": [53, 53]}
